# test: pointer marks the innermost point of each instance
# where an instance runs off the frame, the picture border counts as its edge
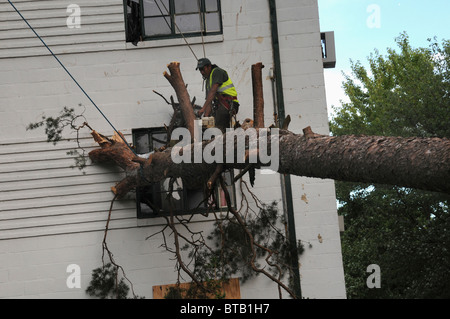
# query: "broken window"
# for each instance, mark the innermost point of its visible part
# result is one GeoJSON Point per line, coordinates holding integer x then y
{"type": "Point", "coordinates": [175, 18]}
{"type": "Point", "coordinates": [152, 200]}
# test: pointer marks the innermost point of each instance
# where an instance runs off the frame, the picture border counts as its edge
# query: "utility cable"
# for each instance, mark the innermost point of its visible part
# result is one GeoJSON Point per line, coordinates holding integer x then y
{"type": "Point", "coordinates": [71, 76]}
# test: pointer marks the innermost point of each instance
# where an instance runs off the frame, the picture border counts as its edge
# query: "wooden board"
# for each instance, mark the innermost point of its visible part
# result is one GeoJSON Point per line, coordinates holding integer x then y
{"type": "Point", "coordinates": [231, 289]}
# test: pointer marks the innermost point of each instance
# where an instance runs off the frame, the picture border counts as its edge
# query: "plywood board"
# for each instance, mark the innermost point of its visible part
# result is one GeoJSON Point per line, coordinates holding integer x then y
{"type": "Point", "coordinates": [230, 288]}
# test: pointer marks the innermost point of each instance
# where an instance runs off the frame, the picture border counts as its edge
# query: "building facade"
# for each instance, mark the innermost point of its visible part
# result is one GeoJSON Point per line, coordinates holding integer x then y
{"type": "Point", "coordinates": [52, 216]}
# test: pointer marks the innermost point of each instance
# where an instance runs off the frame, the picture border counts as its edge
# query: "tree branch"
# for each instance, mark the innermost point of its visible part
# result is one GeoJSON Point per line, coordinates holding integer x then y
{"type": "Point", "coordinates": [252, 242]}
{"type": "Point", "coordinates": [258, 95]}
{"type": "Point", "coordinates": [176, 80]}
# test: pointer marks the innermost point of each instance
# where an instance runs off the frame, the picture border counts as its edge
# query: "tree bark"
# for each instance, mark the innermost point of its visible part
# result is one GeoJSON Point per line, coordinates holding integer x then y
{"type": "Point", "coordinates": [176, 80]}
{"type": "Point", "coordinates": [258, 96]}
{"type": "Point", "coordinates": [422, 163]}
{"type": "Point", "coordinates": [414, 162]}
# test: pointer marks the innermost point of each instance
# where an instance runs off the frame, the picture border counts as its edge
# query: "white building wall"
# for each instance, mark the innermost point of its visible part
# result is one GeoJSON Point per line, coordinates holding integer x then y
{"type": "Point", "coordinates": [314, 200]}
{"type": "Point", "coordinates": [52, 215]}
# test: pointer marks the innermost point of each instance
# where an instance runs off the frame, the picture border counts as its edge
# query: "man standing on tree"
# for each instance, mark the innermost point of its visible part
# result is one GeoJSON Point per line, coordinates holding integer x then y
{"type": "Point", "coordinates": [221, 96]}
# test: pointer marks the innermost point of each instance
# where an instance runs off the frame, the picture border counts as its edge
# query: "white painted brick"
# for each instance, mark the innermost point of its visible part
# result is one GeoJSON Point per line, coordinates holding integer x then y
{"type": "Point", "coordinates": [292, 27]}
{"type": "Point", "coordinates": [12, 289]}
{"type": "Point", "coordinates": [37, 287]}
{"type": "Point", "coordinates": [4, 276]}
{"type": "Point", "coordinates": [303, 13]}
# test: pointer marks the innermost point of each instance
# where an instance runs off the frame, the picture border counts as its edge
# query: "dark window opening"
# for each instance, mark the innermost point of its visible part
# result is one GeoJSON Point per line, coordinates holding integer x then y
{"type": "Point", "coordinates": [152, 200]}
{"type": "Point", "coordinates": [162, 19]}
{"type": "Point", "coordinates": [133, 21]}
{"type": "Point", "coordinates": [328, 49]}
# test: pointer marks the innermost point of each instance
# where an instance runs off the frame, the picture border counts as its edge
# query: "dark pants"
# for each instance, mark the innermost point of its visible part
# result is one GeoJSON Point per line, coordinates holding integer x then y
{"type": "Point", "coordinates": [222, 117]}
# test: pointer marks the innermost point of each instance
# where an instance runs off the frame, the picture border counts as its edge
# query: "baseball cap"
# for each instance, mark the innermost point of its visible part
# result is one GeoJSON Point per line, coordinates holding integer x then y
{"type": "Point", "coordinates": [202, 62]}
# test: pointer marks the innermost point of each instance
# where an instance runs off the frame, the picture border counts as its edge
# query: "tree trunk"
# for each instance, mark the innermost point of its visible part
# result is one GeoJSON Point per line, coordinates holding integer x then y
{"type": "Point", "coordinates": [414, 162]}
{"type": "Point", "coordinates": [422, 163]}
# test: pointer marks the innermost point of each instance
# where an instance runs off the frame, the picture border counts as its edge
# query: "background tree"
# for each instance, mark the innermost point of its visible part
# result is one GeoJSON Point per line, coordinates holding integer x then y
{"type": "Point", "coordinates": [405, 231]}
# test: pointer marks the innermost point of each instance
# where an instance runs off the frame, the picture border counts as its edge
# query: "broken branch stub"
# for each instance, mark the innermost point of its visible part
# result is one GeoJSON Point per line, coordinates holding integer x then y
{"type": "Point", "coordinates": [176, 80]}
{"type": "Point", "coordinates": [258, 95]}
{"type": "Point", "coordinates": [422, 163]}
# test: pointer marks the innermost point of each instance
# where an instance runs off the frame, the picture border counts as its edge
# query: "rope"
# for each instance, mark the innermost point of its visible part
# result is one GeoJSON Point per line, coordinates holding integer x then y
{"type": "Point", "coordinates": [202, 26]}
{"type": "Point", "coordinates": [71, 76]}
{"type": "Point", "coordinates": [179, 30]}
{"type": "Point", "coordinates": [176, 26]}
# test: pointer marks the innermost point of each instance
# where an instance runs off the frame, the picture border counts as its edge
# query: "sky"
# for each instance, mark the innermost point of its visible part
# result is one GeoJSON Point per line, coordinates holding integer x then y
{"type": "Point", "coordinates": [361, 26]}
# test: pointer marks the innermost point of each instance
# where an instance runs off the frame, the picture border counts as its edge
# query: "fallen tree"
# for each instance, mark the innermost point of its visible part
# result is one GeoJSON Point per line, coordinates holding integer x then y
{"type": "Point", "coordinates": [409, 162]}
{"type": "Point", "coordinates": [422, 163]}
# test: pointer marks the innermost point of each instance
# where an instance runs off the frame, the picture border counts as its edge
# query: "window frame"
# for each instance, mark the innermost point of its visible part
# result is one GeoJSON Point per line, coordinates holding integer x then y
{"type": "Point", "coordinates": [174, 33]}
{"type": "Point", "coordinates": [187, 205]}
{"type": "Point", "coordinates": [328, 49]}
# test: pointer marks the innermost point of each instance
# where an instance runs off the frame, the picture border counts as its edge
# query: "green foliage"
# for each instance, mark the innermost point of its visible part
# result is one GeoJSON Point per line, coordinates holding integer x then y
{"type": "Point", "coordinates": [232, 252]}
{"type": "Point", "coordinates": [105, 283]}
{"type": "Point", "coordinates": [404, 231]}
{"type": "Point", "coordinates": [197, 292]}
{"type": "Point", "coordinates": [54, 128]}
{"type": "Point", "coordinates": [175, 293]}
{"type": "Point", "coordinates": [405, 93]}
{"type": "Point", "coordinates": [79, 158]}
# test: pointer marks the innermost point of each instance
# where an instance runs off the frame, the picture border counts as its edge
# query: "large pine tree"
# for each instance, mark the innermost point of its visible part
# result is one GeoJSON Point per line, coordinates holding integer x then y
{"type": "Point", "coordinates": [403, 230]}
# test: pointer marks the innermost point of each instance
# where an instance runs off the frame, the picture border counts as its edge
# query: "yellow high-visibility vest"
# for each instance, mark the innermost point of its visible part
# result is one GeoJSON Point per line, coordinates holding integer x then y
{"type": "Point", "coordinates": [226, 88]}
